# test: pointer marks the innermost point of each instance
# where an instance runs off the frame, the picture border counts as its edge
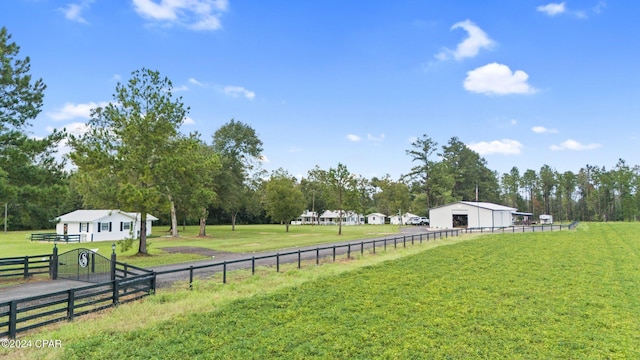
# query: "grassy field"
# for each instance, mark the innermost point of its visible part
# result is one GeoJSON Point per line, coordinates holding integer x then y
{"type": "Point", "coordinates": [245, 239]}
{"type": "Point", "coordinates": [570, 294]}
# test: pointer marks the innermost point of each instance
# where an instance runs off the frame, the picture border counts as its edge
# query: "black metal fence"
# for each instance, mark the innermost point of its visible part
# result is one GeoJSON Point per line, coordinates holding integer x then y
{"type": "Point", "coordinates": [317, 253]}
{"type": "Point", "coordinates": [515, 228]}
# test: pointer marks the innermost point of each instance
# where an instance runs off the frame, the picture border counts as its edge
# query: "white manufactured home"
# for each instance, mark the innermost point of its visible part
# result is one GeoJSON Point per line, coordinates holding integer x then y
{"type": "Point", "coordinates": [376, 218]}
{"type": "Point", "coordinates": [470, 214]}
{"type": "Point", "coordinates": [102, 225]}
{"type": "Point", "coordinates": [401, 220]}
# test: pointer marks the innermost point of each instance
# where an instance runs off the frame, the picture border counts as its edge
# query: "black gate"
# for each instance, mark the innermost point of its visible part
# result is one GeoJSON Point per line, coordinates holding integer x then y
{"type": "Point", "coordinates": [84, 265]}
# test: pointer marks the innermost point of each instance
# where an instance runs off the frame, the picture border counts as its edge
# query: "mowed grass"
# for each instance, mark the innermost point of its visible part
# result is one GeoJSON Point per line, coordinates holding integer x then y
{"type": "Point", "coordinates": [245, 239]}
{"type": "Point", "coordinates": [569, 294]}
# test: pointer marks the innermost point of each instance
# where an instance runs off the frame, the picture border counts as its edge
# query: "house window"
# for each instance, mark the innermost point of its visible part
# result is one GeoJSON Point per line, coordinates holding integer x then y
{"type": "Point", "coordinates": [104, 226]}
{"type": "Point", "coordinates": [126, 226]}
{"type": "Point", "coordinates": [84, 227]}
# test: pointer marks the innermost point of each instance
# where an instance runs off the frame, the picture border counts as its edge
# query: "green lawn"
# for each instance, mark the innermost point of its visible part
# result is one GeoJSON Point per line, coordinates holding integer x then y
{"type": "Point", "coordinates": [570, 294]}
{"type": "Point", "coordinates": [245, 239]}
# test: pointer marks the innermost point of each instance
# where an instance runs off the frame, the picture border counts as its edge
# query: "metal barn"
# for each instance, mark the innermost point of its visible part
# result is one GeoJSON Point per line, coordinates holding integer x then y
{"type": "Point", "coordinates": [471, 214]}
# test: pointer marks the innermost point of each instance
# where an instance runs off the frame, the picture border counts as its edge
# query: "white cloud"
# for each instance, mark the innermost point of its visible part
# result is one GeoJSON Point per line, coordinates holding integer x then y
{"type": "Point", "coordinates": [73, 11]}
{"type": "Point", "coordinates": [236, 91]}
{"type": "Point", "coordinates": [504, 147]}
{"type": "Point", "coordinates": [181, 88]}
{"type": "Point", "coordinates": [542, 130]}
{"type": "Point", "coordinates": [514, 122]}
{"type": "Point", "coordinates": [72, 111]}
{"type": "Point", "coordinates": [188, 121]}
{"type": "Point", "coordinates": [552, 9]}
{"type": "Point", "coordinates": [471, 45]}
{"type": "Point", "coordinates": [193, 14]}
{"type": "Point", "coordinates": [374, 138]}
{"type": "Point", "coordinates": [574, 145]}
{"type": "Point", "coordinates": [195, 82]}
{"type": "Point", "coordinates": [497, 79]}
{"type": "Point", "coordinates": [352, 137]}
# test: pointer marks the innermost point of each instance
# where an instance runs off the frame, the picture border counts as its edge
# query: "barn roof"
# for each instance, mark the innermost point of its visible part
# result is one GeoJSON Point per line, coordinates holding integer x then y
{"type": "Point", "coordinates": [482, 205]}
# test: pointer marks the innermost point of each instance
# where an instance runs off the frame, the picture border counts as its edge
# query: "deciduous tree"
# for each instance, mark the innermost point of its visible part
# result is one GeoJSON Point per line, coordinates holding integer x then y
{"type": "Point", "coordinates": [130, 141]}
{"type": "Point", "coordinates": [283, 198]}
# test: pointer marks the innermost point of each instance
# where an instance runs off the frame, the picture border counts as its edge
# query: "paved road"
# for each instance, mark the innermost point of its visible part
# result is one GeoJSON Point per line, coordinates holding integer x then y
{"type": "Point", "coordinates": [30, 289]}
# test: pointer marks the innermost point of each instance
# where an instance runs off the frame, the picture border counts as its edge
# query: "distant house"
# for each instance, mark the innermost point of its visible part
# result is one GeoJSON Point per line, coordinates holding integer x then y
{"type": "Point", "coordinates": [376, 219]}
{"type": "Point", "coordinates": [471, 214]}
{"type": "Point", "coordinates": [401, 220]}
{"type": "Point", "coordinates": [102, 225]}
{"type": "Point", "coordinates": [329, 217]}
{"type": "Point", "coordinates": [307, 218]}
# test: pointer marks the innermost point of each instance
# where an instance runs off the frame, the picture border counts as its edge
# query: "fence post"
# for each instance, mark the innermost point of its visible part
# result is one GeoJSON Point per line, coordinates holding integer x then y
{"type": "Point", "coordinates": [317, 256]}
{"type": "Point", "coordinates": [374, 246]}
{"type": "Point", "coordinates": [404, 241]}
{"type": "Point", "coordinates": [348, 251]}
{"type": "Point", "coordinates": [116, 292]}
{"type": "Point", "coordinates": [190, 277]}
{"type": "Point", "coordinates": [26, 267]}
{"type": "Point", "coordinates": [334, 253]}
{"type": "Point", "coordinates": [71, 298]}
{"type": "Point", "coordinates": [153, 282]}
{"type": "Point", "coordinates": [53, 262]}
{"type": "Point", "coordinates": [113, 262]}
{"type": "Point", "coordinates": [253, 265]}
{"type": "Point", "coordinates": [277, 262]}
{"type": "Point", "coordinates": [13, 319]}
{"type": "Point", "coordinates": [224, 272]}
{"type": "Point", "coordinates": [361, 247]}
{"type": "Point", "coordinates": [298, 258]}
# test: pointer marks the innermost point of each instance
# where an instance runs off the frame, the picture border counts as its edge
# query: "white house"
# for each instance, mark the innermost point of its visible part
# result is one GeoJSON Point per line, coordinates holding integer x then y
{"type": "Point", "coordinates": [102, 225]}
{"type": "Point", "coordinates": [307, 218]}
{"type": "Point", "coordinates": [401, 220]}
{"type": "Point", "coordinates": [546, 219]}
{"type": "Point", "coordinates": [329, 217]}
{"type": "Point", "coordinates": [376, 218]}
{"type": "Point", "coordinates": [471, 214]}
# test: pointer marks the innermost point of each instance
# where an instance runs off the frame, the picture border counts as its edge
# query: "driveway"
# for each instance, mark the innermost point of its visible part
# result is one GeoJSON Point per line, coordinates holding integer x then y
{"type": "Point", "coordinates": [166, 277]}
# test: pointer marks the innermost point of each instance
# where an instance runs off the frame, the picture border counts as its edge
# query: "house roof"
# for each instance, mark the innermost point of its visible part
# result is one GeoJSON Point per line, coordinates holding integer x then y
{"type": "Point", "coordinates": [95, 215]}
{"type": "Point", "coordinates": [377, 214]}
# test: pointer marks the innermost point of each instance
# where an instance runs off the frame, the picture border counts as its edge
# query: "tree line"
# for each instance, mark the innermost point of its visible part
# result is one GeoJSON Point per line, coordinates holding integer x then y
{"type": "Point", "coordinates": [133, 157]}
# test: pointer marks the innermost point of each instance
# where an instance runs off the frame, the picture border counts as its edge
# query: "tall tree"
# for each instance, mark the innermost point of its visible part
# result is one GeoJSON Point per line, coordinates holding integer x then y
{"type": "Point", "coordinates": [420, 152]}
{"type": "Point", "coordinates": [390, 196]}
{"type": "Point", "coordinates": [130, 141]}
{"type": "Point", "coordinates": [511, 186]}
{"type": "Point", "coordinates": [316, 192]}
{"type": "Point", "coordinates": [547, 184]}
{"type": "Point", "coordinates": [192, 187]}
{"type": "Point", "coordinates": [283, 198]}
{"type": "Point", "coordinates": [33, 183]}
{"type": "Point", "coordinates": [239, 149]}
{"type": "Point", "coordinates": [342, 185]}
{"type": "Point", "coordinates": [529, 181]}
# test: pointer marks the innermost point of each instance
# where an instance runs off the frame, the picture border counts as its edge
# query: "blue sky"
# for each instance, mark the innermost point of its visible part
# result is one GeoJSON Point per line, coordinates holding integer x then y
{"type": "Point", "coordinates": [524, 83]}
